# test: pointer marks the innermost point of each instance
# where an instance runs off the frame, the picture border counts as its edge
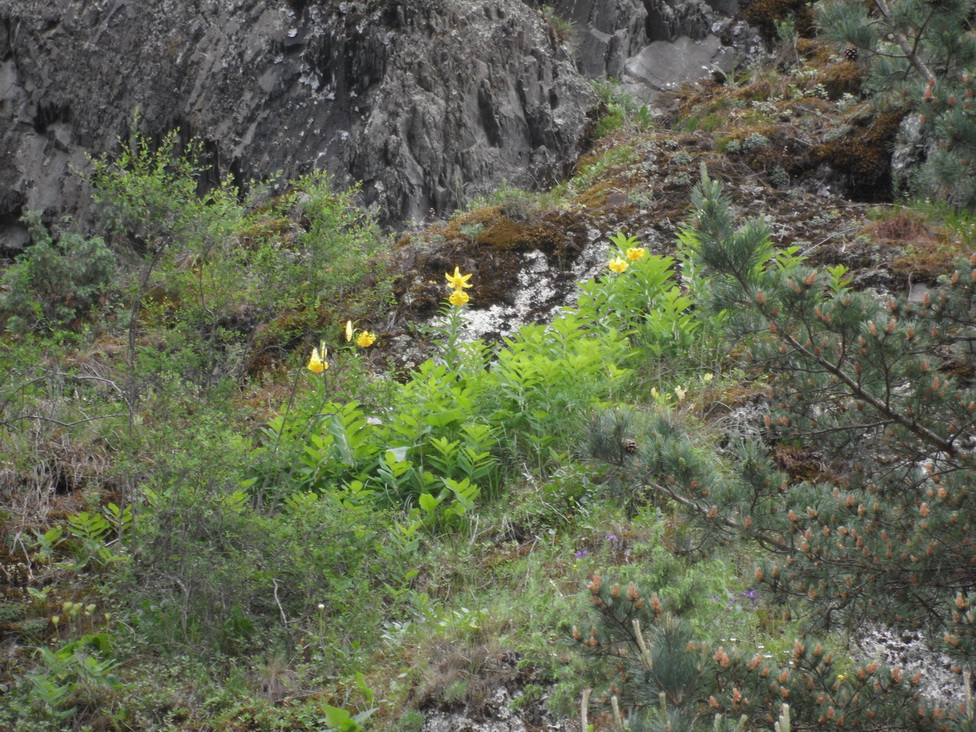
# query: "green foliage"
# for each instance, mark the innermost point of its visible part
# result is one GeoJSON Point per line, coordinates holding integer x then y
{"type": "Point", "coordinates": [922, 54]}
{"type": "Point", "coordinates": [885, 535]}
{"type": "Point", "coordinates": [89, 537]}
{"type": "Point", "coordinates": [563, 28]}
{"type": "Point", "coordinates": [618, 108]}
{"type": "Point", "coordinates": [337, 252]}
{"type": "Point", "coordinates": [79, 674]}
{"type": "Point", "coordinates": [667, 678]}
{"type": "Point", "coordinates": [546, 379]}
{"type": "Point", "coordinates": [58, 280]}
{"type": "Point", "coordinates": [644, 302]}
{"type": "Point", "coordinates": [150, 192]}
{"type": "Point", "coordinates": [885, 368]}
{"type": "Point", "coordinates": [236, 580]}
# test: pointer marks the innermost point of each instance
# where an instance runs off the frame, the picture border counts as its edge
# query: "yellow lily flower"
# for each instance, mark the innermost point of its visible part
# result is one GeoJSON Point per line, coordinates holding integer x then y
{"type": "Point", "coordinates": [365, 339]}
{"type": "Point", "coordinates": [618, 265]}
{"type": "Point", "coordinates": [348, 331]}
{"type": "Point", "coordinates": [317, 363]}
{"type": "Point", "coordinates": [635, 253]}
{"type": "Point", "coordinates": [457, 280]}
{"type": "Point", "coordinates": [458, 298]}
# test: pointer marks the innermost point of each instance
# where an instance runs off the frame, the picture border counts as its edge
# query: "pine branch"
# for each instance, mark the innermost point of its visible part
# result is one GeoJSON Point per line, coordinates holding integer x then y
{"type": "Point", "coordinates": [910, 52]}
{"type": "Point", "coordinates": [882, 407]}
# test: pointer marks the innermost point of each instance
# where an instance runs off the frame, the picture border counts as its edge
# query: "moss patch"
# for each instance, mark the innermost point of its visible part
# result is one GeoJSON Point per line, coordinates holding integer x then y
{"type": "Point", "coordinates": [863, 155]}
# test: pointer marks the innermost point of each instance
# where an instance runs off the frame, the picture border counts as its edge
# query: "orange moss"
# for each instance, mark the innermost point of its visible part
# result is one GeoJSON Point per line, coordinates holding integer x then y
{"type": "Point", "coordinates": [841, 78]}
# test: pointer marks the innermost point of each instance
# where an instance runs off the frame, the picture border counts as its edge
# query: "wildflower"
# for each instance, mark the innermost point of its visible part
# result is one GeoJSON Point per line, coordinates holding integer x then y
{"type": "Point", "coordinates": [321, 606]}
{"type": "Point", "coordinates": [708, 377]}
{"type": "Point", "coordinates": [457, 280]}
{"type": "Point", "coordinates": [611, 537]}
{"type": "Point", "coordinates": [317, 363]}
{"type": "Point", "coordinates": [618, 265]}
{"type": "Point", "coordinates": [680, 392]}
{"type": "Point", "coordinates": [348, 331]}
{"type": "Point", "coordinates": [365, 339]}
{"type": "Point", "coordinates": [581, 553]}
{"type": "Point", "coordinates": [635, 253]}
{"type": "Point", "coordinates": [458, 298]}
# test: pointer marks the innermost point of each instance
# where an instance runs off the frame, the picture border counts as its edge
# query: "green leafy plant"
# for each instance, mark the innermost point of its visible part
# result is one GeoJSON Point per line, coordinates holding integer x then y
{"type": "Point", "coordinates": [643, 300]}
{"type": "Point", "coordinates": [58, 280]}
{"type": "Point", "coordinates": [79, 673]}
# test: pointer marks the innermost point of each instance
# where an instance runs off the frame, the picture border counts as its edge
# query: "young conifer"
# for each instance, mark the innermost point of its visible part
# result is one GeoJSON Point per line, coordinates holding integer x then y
{"type": "Point", "coordinates": [880, 390]}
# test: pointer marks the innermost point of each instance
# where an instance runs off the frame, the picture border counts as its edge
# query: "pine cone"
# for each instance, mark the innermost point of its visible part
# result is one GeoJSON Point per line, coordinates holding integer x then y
{"type": "Point", "coordinates": [630, 446]}
{"type": "Point", "coordinates": [850, 53]}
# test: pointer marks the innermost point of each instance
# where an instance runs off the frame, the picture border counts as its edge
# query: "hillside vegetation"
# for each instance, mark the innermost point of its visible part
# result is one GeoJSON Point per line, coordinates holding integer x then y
{"type": "Point", "coordinates": [256, 475]}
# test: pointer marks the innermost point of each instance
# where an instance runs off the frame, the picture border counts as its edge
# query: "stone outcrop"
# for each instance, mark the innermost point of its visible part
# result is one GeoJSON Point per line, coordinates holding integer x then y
{"type": "Point", "coordinates": [428, 104]}
{"type": "Point", "coordinates": [653, 46]}
{"type": "Point", "coordinates": [607, 32]}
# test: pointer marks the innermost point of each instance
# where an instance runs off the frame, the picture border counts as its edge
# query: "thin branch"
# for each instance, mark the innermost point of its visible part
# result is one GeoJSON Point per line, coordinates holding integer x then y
{"type": "Point", "coordinates": [913, 427]}
{"type": "Point", "coordinates": [42, 418]}
{"type": "Point", "coordinates": [904, 43]}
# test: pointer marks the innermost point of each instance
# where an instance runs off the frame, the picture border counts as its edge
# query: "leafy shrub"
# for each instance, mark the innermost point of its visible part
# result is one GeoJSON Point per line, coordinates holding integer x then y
{"type": "Point", "coordinates": [335, 252]}
{"type": "Point", "coordinates": [58, 280]}
{"type": "Point", "coordinates": [211, 572]}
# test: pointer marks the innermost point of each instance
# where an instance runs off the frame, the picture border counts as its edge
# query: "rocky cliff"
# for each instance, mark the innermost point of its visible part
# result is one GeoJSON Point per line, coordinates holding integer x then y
{"type": "Point", "coordinates": [426, 103]}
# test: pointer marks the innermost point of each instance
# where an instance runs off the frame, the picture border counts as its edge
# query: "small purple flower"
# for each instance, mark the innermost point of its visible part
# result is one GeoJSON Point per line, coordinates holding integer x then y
{"type": "Point", "coordinates": [581, 553]}
{"type": "Point", "coordinates": [612, 537]}
{"type": "Point", "coordinates": [715, 598]}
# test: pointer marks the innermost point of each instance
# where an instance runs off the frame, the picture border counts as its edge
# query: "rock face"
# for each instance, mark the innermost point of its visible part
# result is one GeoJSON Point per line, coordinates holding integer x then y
{"type": "Point", "coordinates": [607, 32]}
{"type": "Point", "coordinates": [654, 46]}
{"type": "Point", "coordinates": [428, 104]}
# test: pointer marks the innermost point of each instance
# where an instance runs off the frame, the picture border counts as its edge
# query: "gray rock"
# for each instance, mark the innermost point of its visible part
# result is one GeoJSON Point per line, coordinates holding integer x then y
{"type": "Point", "coordinates": [663, 66]}
{"type": "Point", "coordinates": [669, 20]}
{"type": "Point", "coordinates": [656, 45]}
{"type": "Point", "coordinates": [607, 32]}
{"type": "Point", "coordinates": [914, 653]}
{"type": "Point", "coordinates": [427, 103]}
{"type": "Point", "coordinates": [912, 148]}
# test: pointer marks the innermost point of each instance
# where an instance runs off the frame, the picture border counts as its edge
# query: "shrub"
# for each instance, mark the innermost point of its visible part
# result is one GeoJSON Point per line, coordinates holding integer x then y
{"type": "Point", "coordinates": [58, 280]}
